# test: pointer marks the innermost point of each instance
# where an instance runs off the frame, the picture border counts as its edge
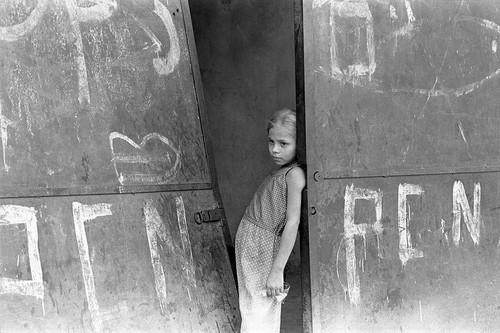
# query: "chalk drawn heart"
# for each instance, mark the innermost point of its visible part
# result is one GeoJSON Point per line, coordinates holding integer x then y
{"type": "Point", "coordinates": [148, 163]}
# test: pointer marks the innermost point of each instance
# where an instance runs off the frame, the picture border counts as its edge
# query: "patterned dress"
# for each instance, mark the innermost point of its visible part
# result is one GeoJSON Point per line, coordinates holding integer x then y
{"type": "Point", "coordinates": [256, 245]}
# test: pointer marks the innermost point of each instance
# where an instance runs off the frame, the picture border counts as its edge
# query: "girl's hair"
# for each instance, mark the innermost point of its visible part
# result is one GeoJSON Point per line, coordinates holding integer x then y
{"type": "Point", "coordinates": [285, 118]}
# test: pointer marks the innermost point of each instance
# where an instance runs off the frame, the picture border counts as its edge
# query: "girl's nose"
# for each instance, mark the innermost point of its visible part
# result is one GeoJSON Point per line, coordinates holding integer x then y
{"type": "Point", "coordinates": [275, 149]}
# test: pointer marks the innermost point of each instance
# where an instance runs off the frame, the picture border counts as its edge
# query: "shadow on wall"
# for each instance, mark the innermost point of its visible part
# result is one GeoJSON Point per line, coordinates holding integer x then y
{"type": "Point", "coordinates": [246, 56]}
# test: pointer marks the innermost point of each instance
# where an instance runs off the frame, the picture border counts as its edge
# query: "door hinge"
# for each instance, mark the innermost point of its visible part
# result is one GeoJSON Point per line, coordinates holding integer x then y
{"type": "Point", "coordinates": [211, 215]}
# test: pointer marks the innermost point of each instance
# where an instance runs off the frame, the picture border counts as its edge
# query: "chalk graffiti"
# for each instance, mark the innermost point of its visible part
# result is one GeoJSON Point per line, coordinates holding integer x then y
{"type": "Point", "coordinates": [163, 66]}
{"type": "Point", "coordinates": [188, 266]}
{"type": "Point", "coordinates": [474, 85]}
{"type": "Point", "coordinates": [357, 66]}
{"type": "Point", "coordinates": [100, 10]}
{"type": "Point", "coordinates": [13, 214]}
{"type": "Point", "coordinates": [357, 69]}
{"type": "Point", "coordinates": [472, 220]}
{"type": "Point", "coordinates": [444, 232]}
{"type": "Point", "coordinates": [352, 229]}
{"type": "Point", "coordinates": [392, 13]}
{"type": "Point", "coordinates": [169, 165]}
{"type": "Point", "coordinates": [468, 88]}
{"type": "Point", "coordinates": [155, 229]}
{"type": "Point", "coordinates": [406, 251]}
{"type": "Point", "coordinates": [408, 28]}
{"type": "Point", "coordinates": [13, 33]}
{"type": "Point", "coordinates": [83, 213]}
{"type": "Point", "coordinates": [4, 124]}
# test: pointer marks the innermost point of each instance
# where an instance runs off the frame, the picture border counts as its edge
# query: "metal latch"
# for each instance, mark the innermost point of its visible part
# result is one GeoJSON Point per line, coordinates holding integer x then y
{"type": "Point", "coordinates": [212, 215]}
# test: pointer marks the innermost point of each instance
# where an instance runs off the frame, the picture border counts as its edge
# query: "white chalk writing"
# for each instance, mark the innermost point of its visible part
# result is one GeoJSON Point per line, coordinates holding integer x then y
{"type": "Point", "coordinates": [357, 67]}
{"type": "Point", "coordinates": [461, 204]}
{"type": "Point", "coordinates": [140, 156]}
{"type": "Point", "coordinates": [188, 266]}
{"type": "Point", "coordinates": [100, 12]}
{"type": "Point", "coordinates": [13, 214]}
{"type": "Point", "coordinates": [81, 214]}
{"type": "Point", "coordinates": [155, 229]}
{"type": "Point", "coordinates": [163, 66]}
{"type": "Point", "coordinates": [351, 229]}
{"type": "Point", "coordinates": [408, 28]}
{"type": "Point", "coordinates": [468, 88]}
{"type": "Point", "coordinates": [4, 135]}
{"type": "Point", "coordinates": [13, 33]}
{"type": "Point", "coordinates": [406, 250]}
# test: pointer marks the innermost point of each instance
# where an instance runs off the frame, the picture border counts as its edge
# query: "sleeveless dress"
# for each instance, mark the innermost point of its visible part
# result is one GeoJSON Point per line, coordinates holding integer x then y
{"type": "Point", "coordinates": [256, 246]}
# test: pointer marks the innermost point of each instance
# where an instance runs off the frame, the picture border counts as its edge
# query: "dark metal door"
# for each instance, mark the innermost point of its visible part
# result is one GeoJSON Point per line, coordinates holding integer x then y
{"type": "Point", "coordinates": [400, 100]}
{"type": "Point", "coordinates": [107, 172]}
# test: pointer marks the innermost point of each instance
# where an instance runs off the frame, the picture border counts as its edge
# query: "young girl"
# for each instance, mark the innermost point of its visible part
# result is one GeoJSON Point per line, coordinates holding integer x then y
{"type": "Point", "coordinates": [268, 230]}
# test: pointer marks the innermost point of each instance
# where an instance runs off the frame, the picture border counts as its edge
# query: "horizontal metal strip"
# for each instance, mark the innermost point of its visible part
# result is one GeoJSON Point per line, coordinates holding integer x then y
{"type": "Point", "coordinates": [407, 172]}
{"type": "Point", "coordinates": [98, 190]}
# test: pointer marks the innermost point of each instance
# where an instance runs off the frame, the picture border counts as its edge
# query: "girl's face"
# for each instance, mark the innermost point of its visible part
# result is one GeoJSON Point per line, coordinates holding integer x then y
{"type": "Point", "coordinates": [281, 145]}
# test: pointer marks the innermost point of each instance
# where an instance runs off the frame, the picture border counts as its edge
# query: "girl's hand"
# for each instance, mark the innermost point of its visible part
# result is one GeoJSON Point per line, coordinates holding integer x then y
{"type": "Point", "coordinates": [274, 284]}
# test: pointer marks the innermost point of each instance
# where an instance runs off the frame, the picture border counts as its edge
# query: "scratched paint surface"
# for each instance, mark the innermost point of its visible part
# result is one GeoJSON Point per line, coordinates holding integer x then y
{"type": "Point", "coordinates": [111, 282]}
{"type": "Point", "coordinates": [404, 86]}
{"type": "Point", "coordinates": [97, 95]}
{"type": "Point", "coordinates": [432, 266]}
{"type": "Point", "coordinates": [401, 106]}
{"type": "Point", "coordinates": [98, 98]}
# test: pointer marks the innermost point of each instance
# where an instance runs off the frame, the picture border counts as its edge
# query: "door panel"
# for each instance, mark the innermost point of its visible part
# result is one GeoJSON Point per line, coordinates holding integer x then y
{"type": "Point", "coordinates": [134, 262]}
{"type": "Point", "coordinates": [105, 161]}
{"type": "Point", "coordinates": [402, 87]}
{"type": "Point", "coordinates": [405, 252]}
{"type": "Point", "coordinates": [98, 99]}
{"type": "Point", "coordinates": [401, 128]}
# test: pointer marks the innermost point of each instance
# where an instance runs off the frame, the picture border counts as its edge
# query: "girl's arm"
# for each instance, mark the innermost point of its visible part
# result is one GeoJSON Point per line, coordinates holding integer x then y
{"type": "Point", "coordinates": [295, 180]}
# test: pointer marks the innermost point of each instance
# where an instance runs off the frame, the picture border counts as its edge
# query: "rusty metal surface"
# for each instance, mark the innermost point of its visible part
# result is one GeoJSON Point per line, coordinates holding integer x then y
{"type": "Point", "coordinates": [118, 262]}
{"type": "Point", "coordinates": [97, 98]}
{"type": "Point", "coordinates": [403, 164]}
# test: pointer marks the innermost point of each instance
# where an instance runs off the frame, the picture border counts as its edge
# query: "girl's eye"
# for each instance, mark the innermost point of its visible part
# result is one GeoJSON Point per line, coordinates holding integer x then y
{"type": "Point", "coordinates": [284, 143]}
